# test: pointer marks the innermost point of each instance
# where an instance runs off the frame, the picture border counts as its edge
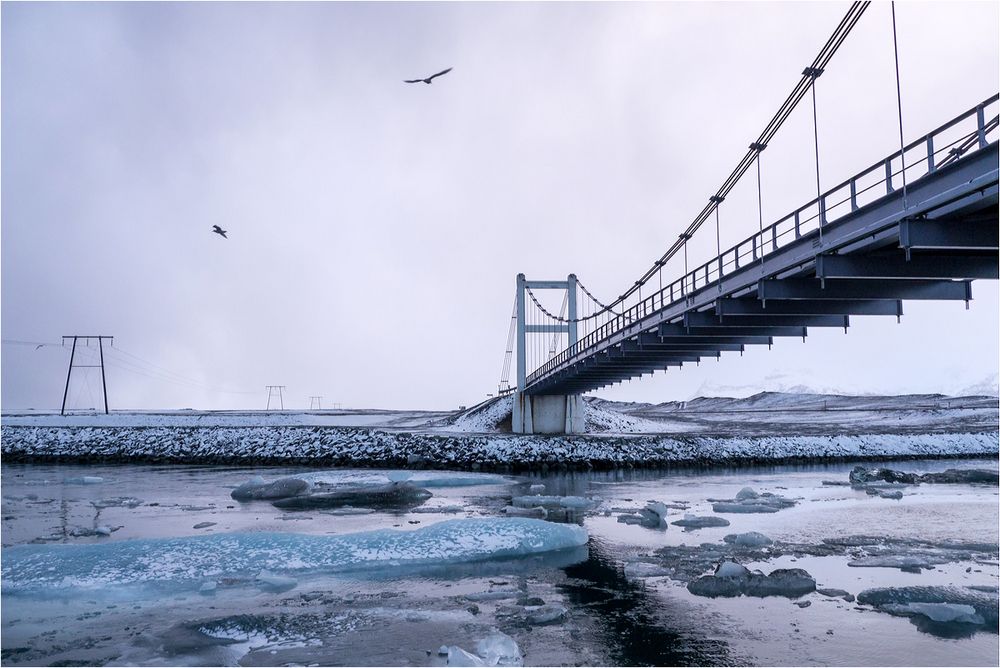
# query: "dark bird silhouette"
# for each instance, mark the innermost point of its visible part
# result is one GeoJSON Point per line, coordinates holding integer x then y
{"type": "Point", "coordinates": [218, 230]}
{"type": "Point", "coordinates": [428, 79]}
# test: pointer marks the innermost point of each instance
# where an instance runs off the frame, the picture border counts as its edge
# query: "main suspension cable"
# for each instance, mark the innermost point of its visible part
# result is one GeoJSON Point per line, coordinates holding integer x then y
{"type": "Point", "coordinates": [805, 84]}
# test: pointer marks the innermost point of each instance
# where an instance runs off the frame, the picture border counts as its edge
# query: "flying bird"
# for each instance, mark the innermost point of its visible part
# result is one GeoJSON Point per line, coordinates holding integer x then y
{"type": "Point", "coordinates": [218, 230]}
{"type": "Point", "coordinates": [428, 79]}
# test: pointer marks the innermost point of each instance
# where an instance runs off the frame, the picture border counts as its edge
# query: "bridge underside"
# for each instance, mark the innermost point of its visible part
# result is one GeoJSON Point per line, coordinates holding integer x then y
{"type": "Point", "coordinates": [864, 264]}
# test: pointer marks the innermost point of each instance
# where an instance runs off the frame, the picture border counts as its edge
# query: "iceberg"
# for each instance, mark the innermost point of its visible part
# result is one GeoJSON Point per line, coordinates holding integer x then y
{"type": "Point", "coordinates": [257, 488]}
{"type": "Point", "coordinates": [185, 563]}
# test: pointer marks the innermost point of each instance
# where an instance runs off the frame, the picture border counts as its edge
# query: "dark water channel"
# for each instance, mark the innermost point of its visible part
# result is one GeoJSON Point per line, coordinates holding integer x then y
{"type": "Point", "coordinates": [113, 592]}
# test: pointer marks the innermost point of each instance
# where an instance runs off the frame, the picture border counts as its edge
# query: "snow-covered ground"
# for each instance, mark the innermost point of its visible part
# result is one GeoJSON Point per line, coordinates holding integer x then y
{"type": "Point", "coordinates": [765, 413]}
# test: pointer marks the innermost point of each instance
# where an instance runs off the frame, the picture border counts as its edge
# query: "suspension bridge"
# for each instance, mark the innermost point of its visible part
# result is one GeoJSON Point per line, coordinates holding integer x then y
{"type": "Point", "coordinates": [918, 224]}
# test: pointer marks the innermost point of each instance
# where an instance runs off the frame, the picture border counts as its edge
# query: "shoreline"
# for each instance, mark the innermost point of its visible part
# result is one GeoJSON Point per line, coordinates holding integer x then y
{"type": "Point", "coordinates": [497, 452]}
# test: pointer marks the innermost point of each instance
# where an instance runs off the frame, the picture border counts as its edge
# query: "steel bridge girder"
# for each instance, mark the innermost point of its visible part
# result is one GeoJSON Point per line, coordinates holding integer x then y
{"type": "Point", "coordinates": [850, 288]}
{"type": "Point", "coordinates": [898, 267]}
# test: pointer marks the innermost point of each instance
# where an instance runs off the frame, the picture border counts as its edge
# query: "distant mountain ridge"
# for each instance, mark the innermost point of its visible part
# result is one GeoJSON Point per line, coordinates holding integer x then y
{"type": "Point", "coordinates": [800, 383]}
{"type": "Point", "coordinates": [785, 401]}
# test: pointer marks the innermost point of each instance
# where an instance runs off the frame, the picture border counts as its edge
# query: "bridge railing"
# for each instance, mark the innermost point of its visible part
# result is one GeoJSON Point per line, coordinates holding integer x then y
{"type": "Point", "coordinates": [965, 133]}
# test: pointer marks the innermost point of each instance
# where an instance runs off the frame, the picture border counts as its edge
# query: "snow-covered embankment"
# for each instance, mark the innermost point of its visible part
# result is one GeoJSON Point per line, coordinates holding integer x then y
{"type": "Point", "coordinates": [339, 446]}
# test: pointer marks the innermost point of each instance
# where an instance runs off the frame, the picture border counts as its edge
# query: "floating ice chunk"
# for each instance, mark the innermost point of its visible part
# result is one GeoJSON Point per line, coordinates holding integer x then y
{"type": "Point", "coordinates": [743, 508]}
{"type": "Point", "coordinates": [938, 612]}
{"type": "Point", "coordinates": [537, 511]}
{"type": "Point", "coordinates": [117, 502]}
{"type": "Point", "coordinates": [499, 649]}
{"type": "Point", "coordinates": [731, 569]}
{"type": "Point", "coordinates": [459, 657]}
{"type": "Point", "coordinates": [836, 593]}
{"type": "Point", "coordinates": [985, 604]}
{"type": "Point", "coordinates": [906, 562]}
{"type": "Point", "coordinates": [746, 493]}
{"type": "Point", "coordinates": [392, 495]}
{"type": "Point", "coordinates": [208, 587]}
{"type": "Point", "coordinates": [349, 510]}
{"type": "Point", "coordinates": [658, 509]}
{"type": "Point", "coordinates": [573, 502]}
{"type": "Point", "coordinates": [84, 480]}
{"type": "Point", "coordinates": [891, 495]}
{"type": "Point", "coordinates": [439, 509]}
{"type": "Point", "coordinates": [498, 595]}
{"type": "Point", "coordinates": [695, 522]}
{"type": "Point", "coordinates": [186, 562]}
{"type": "Point", "coordinates": [536, 489]}
{"type": "Point", "coordinates": [642, 569]}
{"type": "Point", "coordinates": [420, 479]}
{"type": "Point", "coordinates": [545, 614]}
{"type": "Point", "coordinates": [733, 580]}
{"type": "Point", "coordinates": [103, 530]}
{"type": "Point", "coordinates": [274, 582]}
{"type": "Point", "coordinates": [257, 488]}
{"type": "Point", "coordinates": [860, 476]}
{"type": "Point", "coordinates": [748, 539]}
{"type": "Point", "coordinates": [963, 476]}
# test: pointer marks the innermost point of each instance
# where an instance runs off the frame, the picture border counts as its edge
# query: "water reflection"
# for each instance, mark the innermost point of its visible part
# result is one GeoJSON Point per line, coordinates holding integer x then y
{"type": "Point", "coordinates": [637, 630]}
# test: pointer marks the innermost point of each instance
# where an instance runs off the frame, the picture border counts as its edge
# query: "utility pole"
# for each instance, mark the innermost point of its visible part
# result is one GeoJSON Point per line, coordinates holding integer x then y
{"type": "Point", "coordinates": [316, 402]}
{"type": "Point", "coordinates": [72, 357]}
{"type": "Point", "coordinates": [275, 390]}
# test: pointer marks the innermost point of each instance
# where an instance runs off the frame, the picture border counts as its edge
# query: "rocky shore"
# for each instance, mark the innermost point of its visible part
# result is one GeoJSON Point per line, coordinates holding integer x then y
{"type": "Point", "coordinates": [360, 447]}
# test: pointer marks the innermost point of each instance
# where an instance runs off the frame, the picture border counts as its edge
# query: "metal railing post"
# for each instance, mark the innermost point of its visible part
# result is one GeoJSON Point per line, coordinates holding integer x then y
{"type": "Point", "coordinates": [981, 121]}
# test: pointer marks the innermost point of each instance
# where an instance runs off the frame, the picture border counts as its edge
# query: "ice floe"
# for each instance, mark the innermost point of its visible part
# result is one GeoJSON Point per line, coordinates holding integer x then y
{"type": "Point", "coordinates": [258, 488]}
{"type": "Point", "coordinates": [188, 562]}
{"type": "Point", "coordinates": [749, 501]}
{"type": "Point", "coordinates": [860, 476]}
{"type": "Point", "coordinates": [750, 539]}
{"type": "Point", "coordinates": [571, 502]}
{"type": "Point", "coordinates": [732, 579]}
{"type": "Point", "coordinates": [940, 610]}
{"type": "Point", "coordinates": [394, 495]}
{"type": "Point", "coordinates": [700, 522]}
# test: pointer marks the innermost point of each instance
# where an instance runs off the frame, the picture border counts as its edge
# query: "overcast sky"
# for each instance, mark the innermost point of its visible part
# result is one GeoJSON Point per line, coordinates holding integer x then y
{"type": "Point", "coordinates": [376, 228]}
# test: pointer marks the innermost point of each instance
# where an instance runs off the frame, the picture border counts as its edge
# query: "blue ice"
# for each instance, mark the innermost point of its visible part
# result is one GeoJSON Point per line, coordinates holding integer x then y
{"type": "Point", "coordinates": [188, 562]}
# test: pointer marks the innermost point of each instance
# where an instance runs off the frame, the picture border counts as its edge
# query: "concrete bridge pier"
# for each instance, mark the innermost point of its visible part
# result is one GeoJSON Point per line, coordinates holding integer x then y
{"type": "Point", "coordinates": [549, 414]}
{"type": "Point", "coordinates": [545, 413]}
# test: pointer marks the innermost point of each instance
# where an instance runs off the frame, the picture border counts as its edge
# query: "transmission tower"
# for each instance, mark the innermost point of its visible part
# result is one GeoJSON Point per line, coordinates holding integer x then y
{"type": "Point", "coordinates": [275, 391]}
{"type": "Point", "coordinates": [316, 402]}
{"type": "Point", "coordinates": [72, 357]}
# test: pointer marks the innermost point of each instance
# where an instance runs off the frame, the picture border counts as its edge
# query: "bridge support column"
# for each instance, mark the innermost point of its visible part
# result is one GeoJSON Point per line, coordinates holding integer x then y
{"type": "Point", "coordinates": [548, 414]}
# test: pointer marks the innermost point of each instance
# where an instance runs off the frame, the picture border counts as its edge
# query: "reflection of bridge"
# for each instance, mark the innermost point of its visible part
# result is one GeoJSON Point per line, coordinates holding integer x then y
{"type": "Point", "coordinates": [919, 224]}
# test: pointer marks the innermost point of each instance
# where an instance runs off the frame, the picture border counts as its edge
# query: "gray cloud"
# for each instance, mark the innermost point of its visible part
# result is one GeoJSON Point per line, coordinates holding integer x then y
{"type": "Point", "coordinates": [376, 228]}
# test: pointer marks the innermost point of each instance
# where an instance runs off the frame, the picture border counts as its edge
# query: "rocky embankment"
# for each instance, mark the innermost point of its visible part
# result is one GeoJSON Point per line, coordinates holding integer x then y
{"type": "Point", "coordinates": [342, 446]}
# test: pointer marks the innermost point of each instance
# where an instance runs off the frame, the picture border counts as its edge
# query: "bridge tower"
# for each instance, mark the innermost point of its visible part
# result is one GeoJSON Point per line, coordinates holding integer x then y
{"type": "Point", "coordinates": [545, 413]}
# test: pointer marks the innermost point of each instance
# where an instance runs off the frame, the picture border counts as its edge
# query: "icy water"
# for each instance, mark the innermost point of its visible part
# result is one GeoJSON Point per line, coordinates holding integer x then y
{"type": "Point", "coordinates": [189, 576]}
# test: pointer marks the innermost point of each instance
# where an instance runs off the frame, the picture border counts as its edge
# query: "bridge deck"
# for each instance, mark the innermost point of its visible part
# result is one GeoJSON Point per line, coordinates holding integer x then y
{"type": "Point", "coordinates": [799, 273]}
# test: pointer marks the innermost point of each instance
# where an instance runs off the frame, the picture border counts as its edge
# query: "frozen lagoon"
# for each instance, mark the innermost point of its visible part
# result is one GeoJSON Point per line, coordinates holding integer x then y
{"type": "Point", "coordinates": [618, 600]}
